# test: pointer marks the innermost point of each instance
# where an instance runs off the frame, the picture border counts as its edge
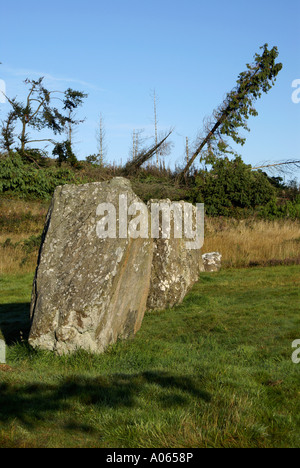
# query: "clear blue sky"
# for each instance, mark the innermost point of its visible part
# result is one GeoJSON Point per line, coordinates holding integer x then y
{"type": "Point", "coordinates": [190, 52]}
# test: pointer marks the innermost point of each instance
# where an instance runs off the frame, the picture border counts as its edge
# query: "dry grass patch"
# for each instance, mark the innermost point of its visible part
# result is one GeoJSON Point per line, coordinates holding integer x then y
{"type": "Point", "coordinates": [13, 260]}
{"type": "Point", "coordinates": [244, 243]}
{"type": "Point", "coordinates": [21, 223]}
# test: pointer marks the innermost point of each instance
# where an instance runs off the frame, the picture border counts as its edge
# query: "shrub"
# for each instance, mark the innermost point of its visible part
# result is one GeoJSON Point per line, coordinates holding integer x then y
{"type": "Point", "coordinates": [274, 210]}
{"type": "Point", "coordinates": [231, 186]}
{"type": "Point", "coordinates": [26, 180]}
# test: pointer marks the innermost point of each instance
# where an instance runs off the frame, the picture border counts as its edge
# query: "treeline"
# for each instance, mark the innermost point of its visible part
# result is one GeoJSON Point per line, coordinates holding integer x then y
{"type": "Point", "coordinates": [228, 188]}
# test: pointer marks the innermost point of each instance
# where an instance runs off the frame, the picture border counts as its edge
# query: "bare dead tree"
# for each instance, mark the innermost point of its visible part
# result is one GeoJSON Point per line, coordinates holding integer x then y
{"type": "Point", "coordinates": [155, 126]}
{"type": "Point", "coordinates": [153, 94]}
{"type": "Point", "coordinates": [187, 150]}
{"type": "Point", "coordinates": [137, 141]}
{"type": "Point", "coordinates": [100, 135]}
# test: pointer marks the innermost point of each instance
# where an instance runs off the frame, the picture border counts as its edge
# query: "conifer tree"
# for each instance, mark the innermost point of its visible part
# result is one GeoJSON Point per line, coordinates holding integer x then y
{"type": "Point", "coordinates": [38, 113]}
{"type": "Point", "coordinates": [233, 113]}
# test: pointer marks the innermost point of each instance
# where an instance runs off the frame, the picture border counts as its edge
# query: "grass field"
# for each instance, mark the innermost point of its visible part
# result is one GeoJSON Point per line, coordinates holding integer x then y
{"type": "Point", "coordinates": [215, 371]}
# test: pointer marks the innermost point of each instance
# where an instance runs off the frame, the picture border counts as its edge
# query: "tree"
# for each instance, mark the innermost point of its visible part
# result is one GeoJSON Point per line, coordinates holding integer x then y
{"type": "Point", "coordinates": [235, 110]}
{"type": "Point", "coordinates": [7, 131]}
{"type": "Point", "coordinates": [155, 125]}
{"type": "Point", "coordinates": [157, 154]}
{"type": "Point", "coordinates": [137, 141]}
{"type": "Point", "coordinates": [73, 99]}
{"type": "Point", "coordinates": [187, 150]}
{"type": "Point", "coordinates": [101, 142]}
{"type": "Point", "coordinates": [38, 113]}
{"type": "Point", "coordinates": [64, 153]}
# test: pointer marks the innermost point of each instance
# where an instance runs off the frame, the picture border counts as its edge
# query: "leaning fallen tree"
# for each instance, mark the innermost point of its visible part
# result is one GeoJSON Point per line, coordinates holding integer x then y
{"type": "Point", "coordinates": [282, 167]}
{"type": "Point", "coordinates": [235, 110]}
{"type": "Point", "coordinates": [144, 155]}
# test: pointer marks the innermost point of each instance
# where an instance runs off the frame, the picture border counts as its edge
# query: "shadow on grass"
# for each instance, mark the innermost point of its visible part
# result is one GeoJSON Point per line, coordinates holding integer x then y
{"type": "Point", "coordinates": [14, 322]}
{"type": "Point", "coordinates": [33, 403]}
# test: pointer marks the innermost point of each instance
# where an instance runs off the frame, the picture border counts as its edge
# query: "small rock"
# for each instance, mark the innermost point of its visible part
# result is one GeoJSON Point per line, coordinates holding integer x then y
{"type": "Point", "coordinates": [212, 261]}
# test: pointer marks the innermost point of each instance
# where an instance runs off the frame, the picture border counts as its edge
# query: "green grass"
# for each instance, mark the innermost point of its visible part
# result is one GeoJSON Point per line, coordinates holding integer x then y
{"type": "Point", "coordinates": [215, 371]}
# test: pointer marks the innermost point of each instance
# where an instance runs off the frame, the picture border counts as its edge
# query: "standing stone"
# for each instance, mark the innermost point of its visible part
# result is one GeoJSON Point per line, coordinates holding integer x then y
{"type": "Point", "coordinates": [88, 291]}
{"type": "Point", "coordinates": [212, 261]}
{"type": "Point", "coordinates": [2, 352]}
{"type": "Point", "coordinates": [175, 268]}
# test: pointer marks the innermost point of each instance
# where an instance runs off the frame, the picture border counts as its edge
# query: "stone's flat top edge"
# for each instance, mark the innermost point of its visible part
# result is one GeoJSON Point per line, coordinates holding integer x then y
{"type": "Point", "coordinates": [210, 254]}
{"type": "Point", "coordinates": [113, 180]}
{"type": "Point", "coordinates": [167, 200]}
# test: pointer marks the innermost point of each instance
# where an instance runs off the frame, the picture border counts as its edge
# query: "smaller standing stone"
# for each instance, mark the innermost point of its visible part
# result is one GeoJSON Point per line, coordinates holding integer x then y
{"type": "Point", "coordinates": [175, 268]}
{"type": "Point", "coordinates": [212, 261]}
{"type": "Point", "coordinates": [2, 352]}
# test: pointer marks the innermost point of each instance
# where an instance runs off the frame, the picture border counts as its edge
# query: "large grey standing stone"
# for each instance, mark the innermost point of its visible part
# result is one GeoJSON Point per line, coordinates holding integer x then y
{"type": "Point", "coordinates": [2, 352]}
{"type": "Point", "coordinates": [175, 268]}
{"type": "Point", "coordinates": [88, 291]}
